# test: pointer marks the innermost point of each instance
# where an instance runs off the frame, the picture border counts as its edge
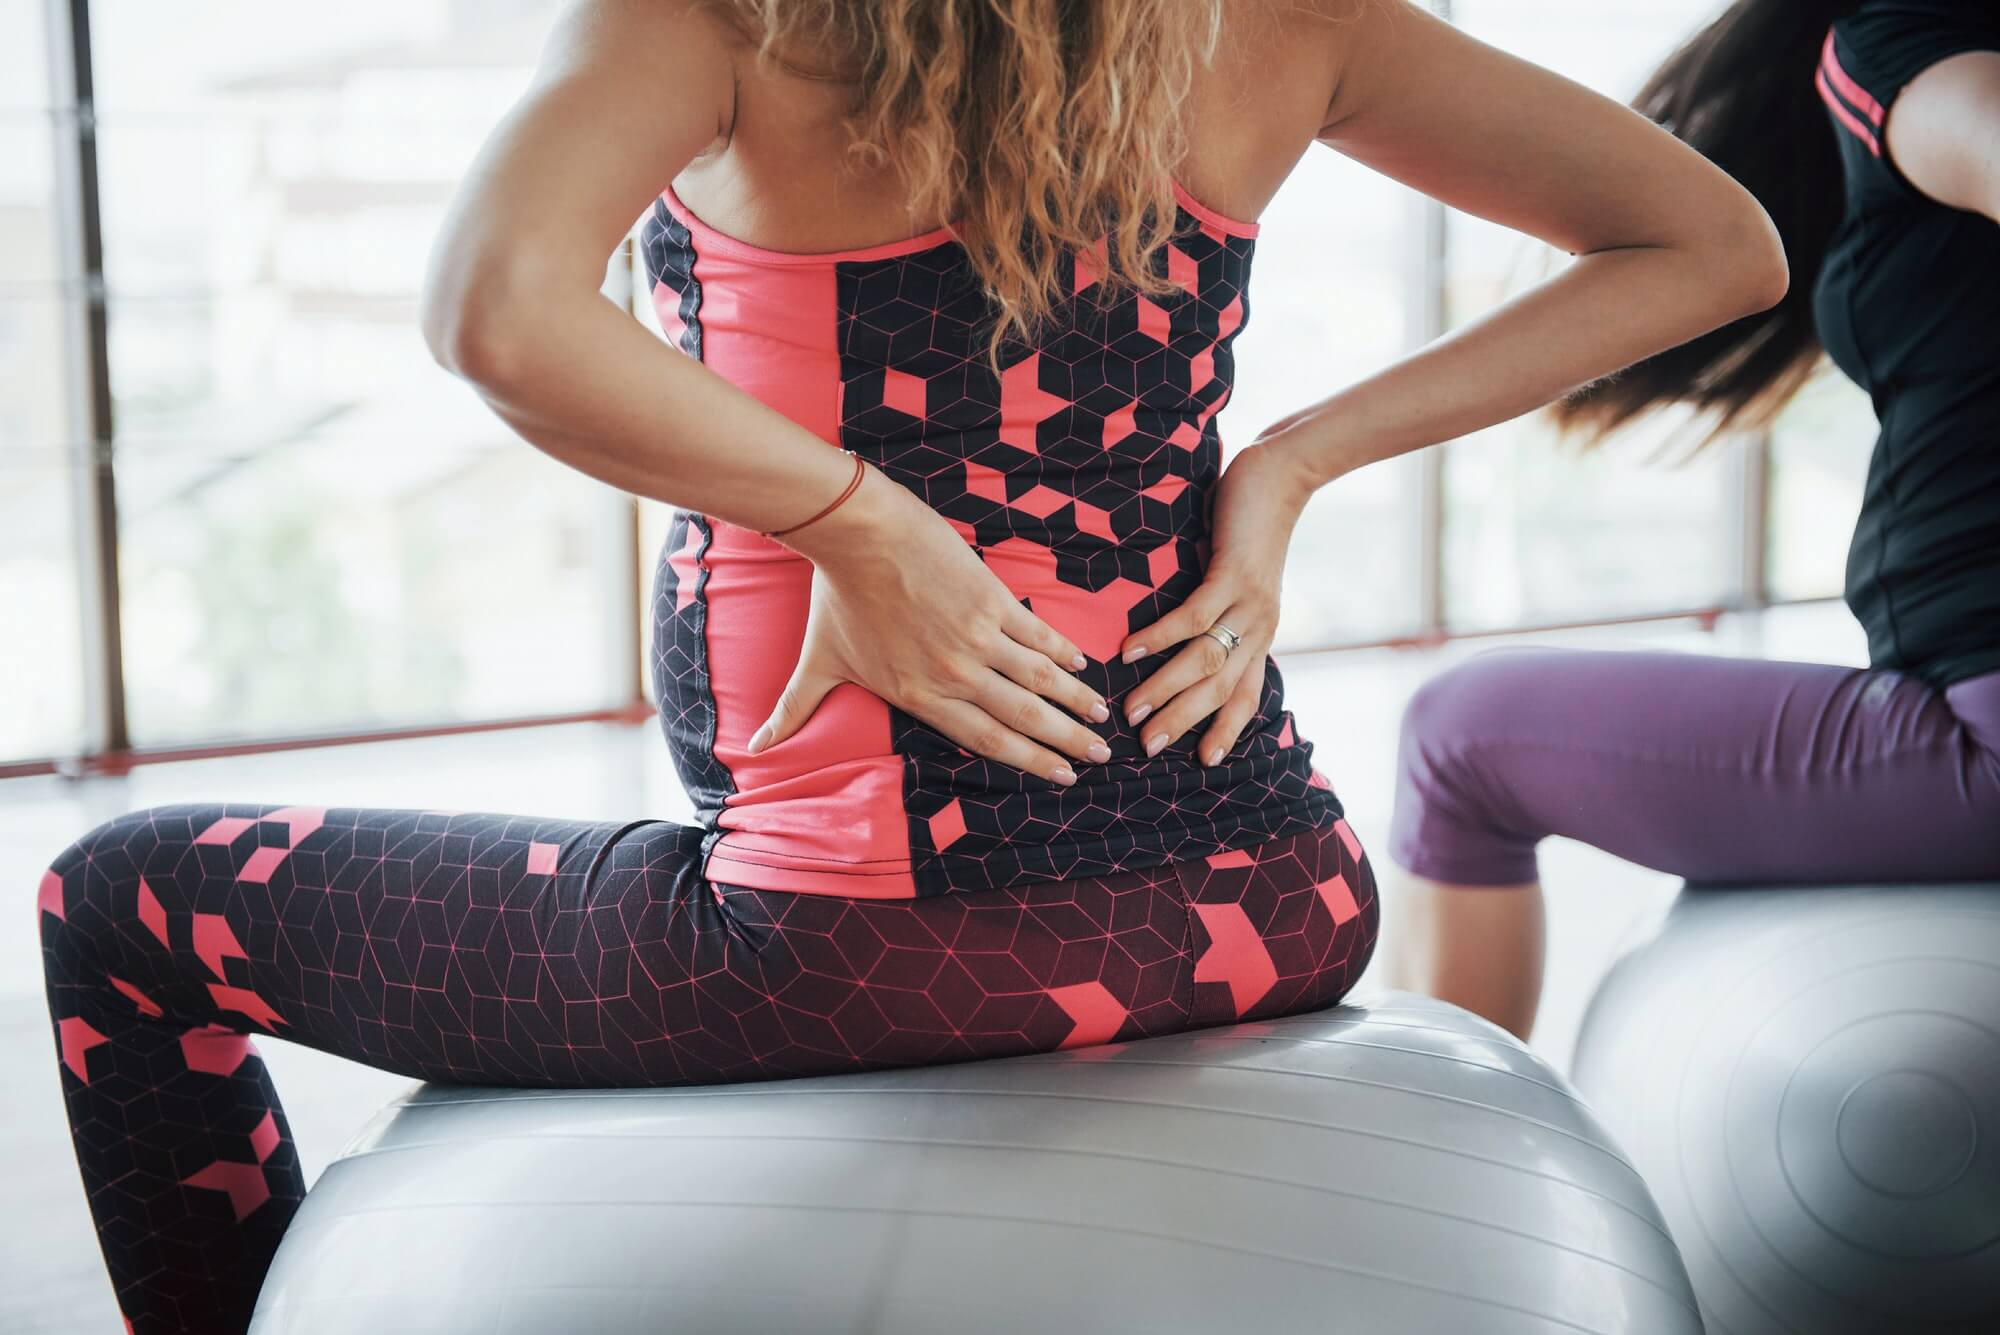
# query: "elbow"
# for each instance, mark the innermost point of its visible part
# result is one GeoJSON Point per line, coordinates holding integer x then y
{"type": "Point", "coordinates": [1751, 267]}
{"type": "Point", "coordinates": [471, 321]}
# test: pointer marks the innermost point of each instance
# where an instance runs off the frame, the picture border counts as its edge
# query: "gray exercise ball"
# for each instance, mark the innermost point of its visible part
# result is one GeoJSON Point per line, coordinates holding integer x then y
{"type": "Point", "coordinates": [1810, 1080]}
{"type": "Point", "coordinates": [1399, 1167]}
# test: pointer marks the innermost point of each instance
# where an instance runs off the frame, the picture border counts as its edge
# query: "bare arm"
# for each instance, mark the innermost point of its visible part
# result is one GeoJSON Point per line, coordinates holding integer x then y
{"type": "Point", "coordinates": [1667, 247]}
{"type": "Point", "coordinates": [1944, 132]}
{"type": "Point", "coordinates": [628, 93]}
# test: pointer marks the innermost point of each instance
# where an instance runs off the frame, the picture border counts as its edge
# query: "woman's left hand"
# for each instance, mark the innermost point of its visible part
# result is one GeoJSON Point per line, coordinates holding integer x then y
{"type": "Point", "coordinates": [1255, 507]}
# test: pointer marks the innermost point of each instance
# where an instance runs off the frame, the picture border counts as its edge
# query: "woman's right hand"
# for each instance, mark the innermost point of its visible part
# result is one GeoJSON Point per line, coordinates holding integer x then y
{"type": "Point", "coordinates": [903, 607]}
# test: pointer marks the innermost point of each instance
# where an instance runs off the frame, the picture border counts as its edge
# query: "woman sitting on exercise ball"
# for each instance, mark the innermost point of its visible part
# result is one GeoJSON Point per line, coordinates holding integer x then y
{"type": "Point", "coordinates": [1871, 132]}
{"type": "Point", "coordinates": [960, 641]}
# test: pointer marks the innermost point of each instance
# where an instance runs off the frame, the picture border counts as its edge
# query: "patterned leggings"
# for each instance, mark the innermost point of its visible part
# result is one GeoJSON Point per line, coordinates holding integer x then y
{"type": "Point", "coordinates": [512, 950]}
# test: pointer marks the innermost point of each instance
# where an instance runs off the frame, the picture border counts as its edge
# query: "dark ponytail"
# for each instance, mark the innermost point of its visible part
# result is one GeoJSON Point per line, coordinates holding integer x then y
{"type": "Point", "coordinates": [1741, 93]}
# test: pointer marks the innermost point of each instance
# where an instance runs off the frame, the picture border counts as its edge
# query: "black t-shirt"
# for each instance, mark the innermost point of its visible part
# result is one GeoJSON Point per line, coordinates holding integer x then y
{"type": "Point", "coordinates": [1908, 305]}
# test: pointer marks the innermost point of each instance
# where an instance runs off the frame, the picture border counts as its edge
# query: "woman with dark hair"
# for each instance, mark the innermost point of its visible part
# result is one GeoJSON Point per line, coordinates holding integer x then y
{"type": "Point", "coordinates": [961, 636]}
{"type": "Point", "coordinates": [1871, 133]}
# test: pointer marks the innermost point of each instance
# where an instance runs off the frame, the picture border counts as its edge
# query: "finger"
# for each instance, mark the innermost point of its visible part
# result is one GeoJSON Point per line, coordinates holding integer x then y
{"type": "Point", "coordinates": [1181, 713]}
{"type": "Point", "coordinates": [796, 704]}
{"type": "Point", "coordinates": [1201, 610]}
{"type": "Point", "coordinates": [983, 735]}
{"type": "Point", "coordinates": [1034, 718]}
{"type": "Point", "coordinates": [1229, 721]}
{"type": "Point", "coordinates": [1034, 671]}
{"type": "Point", "coordinates": [1026, 628]}
{"type": "Point", "coordinates": [1199, 659]}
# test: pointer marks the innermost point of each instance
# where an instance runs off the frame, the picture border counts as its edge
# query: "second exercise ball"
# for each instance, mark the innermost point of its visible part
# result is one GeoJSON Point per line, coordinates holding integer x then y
{"type": "Point", "coordinates": [1809, 1078]}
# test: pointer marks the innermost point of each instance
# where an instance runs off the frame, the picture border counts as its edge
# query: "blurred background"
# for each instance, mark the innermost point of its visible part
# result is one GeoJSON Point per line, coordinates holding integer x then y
{"type": "Point", "coordinates": [242, 511]}
{"type": "Point", "coordinates": [239, 503]}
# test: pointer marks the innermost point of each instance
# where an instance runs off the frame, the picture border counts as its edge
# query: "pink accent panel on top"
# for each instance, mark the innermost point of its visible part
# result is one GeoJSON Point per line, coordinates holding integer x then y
{"type": "Point", "coordinates": [1119, 424]}
{"type": "Point", "coordinates": [1024, 404]}
{"type": "Point", "coordinates": [1096, 623]}
{"type": "Point", "coordinates": [1215, 223]}
{"type": "Point", "coordinates": [1230, 320]}
{"type": "Point", "coordinates": [686, 565]}
{"type": "Point", "coordinates": [1091, 265]}
{"type": "Point", "coordinates": [830, 797]}
{"type": "Point", "coordinates": [1095, 520]}
{"type": "Point", "coordinates": [906, 393]}
{"type": "Point", "coordinates": [667, 306]}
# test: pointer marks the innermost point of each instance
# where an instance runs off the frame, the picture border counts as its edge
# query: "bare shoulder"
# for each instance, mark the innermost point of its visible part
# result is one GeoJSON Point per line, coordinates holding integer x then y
{"type": "Point", "coordinates": [641, 49]}
{"type": "Point", "coordinates": [1257, 106]}
{"type": "Point", "coordinates": [1944, 131]}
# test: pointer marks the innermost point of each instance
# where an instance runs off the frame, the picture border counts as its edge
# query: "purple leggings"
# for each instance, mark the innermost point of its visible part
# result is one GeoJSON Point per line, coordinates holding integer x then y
{"type": "Point", "coordinates": [1715, 769]}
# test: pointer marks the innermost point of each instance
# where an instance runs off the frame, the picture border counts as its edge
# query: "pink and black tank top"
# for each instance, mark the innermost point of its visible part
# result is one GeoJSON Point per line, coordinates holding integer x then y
{"type": "Point", "coordinates": [1080, 473]}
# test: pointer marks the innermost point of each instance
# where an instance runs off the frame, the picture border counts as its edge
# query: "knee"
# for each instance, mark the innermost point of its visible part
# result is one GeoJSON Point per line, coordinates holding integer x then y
{"type": "Point", "coordinates": [89, 883]}
{"type": "Point", "coordinates": [1451, 712]}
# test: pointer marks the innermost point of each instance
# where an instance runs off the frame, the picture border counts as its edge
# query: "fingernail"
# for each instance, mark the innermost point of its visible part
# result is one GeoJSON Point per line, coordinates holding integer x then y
{"type": "Point", "coordinates": [757, 740]}
{"type": "Point", "coordinates": [1099, 752]}
{"type": "Point", "coordinates": [1079, 662]}
{"type": "Point", "coordinates": [1135, 653]}
{"type": "Point", "coordinates": [1214, 757]}
{"type": "Point", "coordinates": [1138, 715]}
{"type": "Point", "coordinates": [1063, 775]}
{"type": "Point", "coordinates": [1155, 742]}
{"type": "Point", "coordinates": [1099, 712]}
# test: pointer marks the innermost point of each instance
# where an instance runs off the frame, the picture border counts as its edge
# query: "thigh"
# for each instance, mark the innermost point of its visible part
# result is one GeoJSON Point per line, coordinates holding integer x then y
{"type": "Point", "coordinates": [811, 984]}
{"type": "Point", "coordinates": [1723, 769]}
{"type": "Point", "coordinates": [795, 985]}
{"type": "Point", "coordinates": [442, 945]}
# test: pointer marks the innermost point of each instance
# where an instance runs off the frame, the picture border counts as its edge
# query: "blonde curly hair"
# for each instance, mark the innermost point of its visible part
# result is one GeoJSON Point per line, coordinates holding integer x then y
{"type": "Point", "coordinates": [1039, 126]}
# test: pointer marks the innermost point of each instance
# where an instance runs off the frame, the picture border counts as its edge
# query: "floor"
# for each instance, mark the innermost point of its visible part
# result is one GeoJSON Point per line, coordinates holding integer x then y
{"type": "Point", "coordinates": [1348, 704]}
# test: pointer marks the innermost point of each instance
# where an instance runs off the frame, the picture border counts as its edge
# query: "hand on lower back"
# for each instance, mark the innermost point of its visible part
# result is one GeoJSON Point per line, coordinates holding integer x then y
{"type": "Point", "coordinates": [904, 608]}
{"type": "Point", "coordinates": [1256, 506]}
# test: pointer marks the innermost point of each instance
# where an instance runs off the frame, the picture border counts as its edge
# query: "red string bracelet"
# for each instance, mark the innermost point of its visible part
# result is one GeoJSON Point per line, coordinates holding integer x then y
{"type": "Point", "coordinates": [860, 467]}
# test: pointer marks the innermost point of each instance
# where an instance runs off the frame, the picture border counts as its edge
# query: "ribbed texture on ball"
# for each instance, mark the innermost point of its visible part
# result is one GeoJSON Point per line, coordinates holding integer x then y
{"type": "Point", "coordinates": [1396, 1168]}
{"type": "Point", "coordinates": [1810, 1079]}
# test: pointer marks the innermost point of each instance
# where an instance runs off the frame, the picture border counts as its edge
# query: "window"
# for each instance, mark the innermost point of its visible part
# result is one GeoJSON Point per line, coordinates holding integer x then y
{"type": "Point", "coordinates": [1328, 299]}
{"type": "Point", "coordinates": [1537, 532]}
{"type": "Point", "coordinates": [1819, 457]}
{"type": "Point", "coordinates": [319, 529]}
{"type": "Point", "coordinates": [42, 455]}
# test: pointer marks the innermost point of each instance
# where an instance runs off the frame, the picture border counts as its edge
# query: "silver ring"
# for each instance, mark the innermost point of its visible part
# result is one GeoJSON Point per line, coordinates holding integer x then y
{"type": "Point", "coordinates": [1224, 636]}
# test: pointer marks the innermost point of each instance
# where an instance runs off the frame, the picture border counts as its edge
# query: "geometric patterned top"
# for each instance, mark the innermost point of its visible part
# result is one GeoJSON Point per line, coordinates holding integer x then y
{"type": "Point", "coordinates": [1080, 474]}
